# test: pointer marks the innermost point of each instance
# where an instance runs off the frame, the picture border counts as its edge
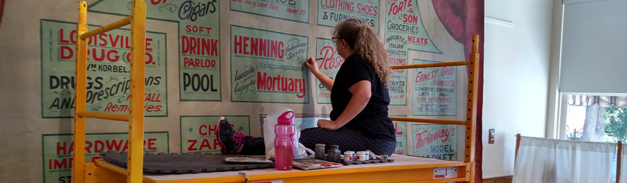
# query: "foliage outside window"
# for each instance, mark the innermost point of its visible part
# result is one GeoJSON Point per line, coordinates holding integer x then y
{"type": "Point", "coordinates": [596, 120]}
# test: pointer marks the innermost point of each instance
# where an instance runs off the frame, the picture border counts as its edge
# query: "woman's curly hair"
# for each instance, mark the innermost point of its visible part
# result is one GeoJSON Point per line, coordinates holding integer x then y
{"type": "Point", "coordinates": [364, 41]}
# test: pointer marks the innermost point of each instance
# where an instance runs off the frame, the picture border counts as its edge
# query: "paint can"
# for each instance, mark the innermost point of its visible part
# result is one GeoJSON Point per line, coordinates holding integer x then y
{"type": "Point", "coordinates": [361, 156]}
{"type": "Point", "coordinates": [349, 156]}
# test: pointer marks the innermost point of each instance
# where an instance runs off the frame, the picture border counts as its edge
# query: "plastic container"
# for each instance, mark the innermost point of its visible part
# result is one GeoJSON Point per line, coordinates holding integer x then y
{"type": "Point", "coordinates": [349, 156]}
{"type": "Point", "coordinates": [284, 141]}
{"type": "Point", "coordinates": [361, 156]}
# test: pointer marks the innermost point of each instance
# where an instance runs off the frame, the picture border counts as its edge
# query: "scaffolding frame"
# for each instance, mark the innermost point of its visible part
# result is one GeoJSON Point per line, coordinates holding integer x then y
{"type": "Point", "coordinates": [135, 118]}
{"type": "Point", "coordinates": [470, 121]}
{"type": "Point", "coordinates": [101, 171]}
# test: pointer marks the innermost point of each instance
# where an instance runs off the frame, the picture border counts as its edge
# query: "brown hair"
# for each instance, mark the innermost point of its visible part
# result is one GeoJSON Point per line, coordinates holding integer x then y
{"type": "Point", "coordinates": [365, 42]}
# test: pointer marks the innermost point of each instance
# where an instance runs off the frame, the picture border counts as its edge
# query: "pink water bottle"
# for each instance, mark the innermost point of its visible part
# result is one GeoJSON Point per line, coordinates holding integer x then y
{"type": "Point", "coordinates": [284, 141]}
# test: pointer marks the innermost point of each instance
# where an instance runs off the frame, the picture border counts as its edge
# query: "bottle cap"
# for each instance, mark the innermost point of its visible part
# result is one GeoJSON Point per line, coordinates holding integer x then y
{"type": "Point", "coordinates": [286, 118]}
{"type": "Point", "coordinates": [334, 146]}
{"type": "Point", "coordinates": [319, 145]}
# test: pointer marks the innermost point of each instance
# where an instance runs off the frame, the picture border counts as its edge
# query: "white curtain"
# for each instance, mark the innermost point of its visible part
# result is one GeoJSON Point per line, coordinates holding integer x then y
{"type": "Point", "coordinates": [561, 161]}
{"type": "Point", "coordinates": [623, 169]}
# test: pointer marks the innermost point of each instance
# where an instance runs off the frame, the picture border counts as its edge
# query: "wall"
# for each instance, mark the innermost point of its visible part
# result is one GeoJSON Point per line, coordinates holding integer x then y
{"type": "Point", "coordinates": [24, 131]}
{"type": "Point", "coordinates": [516, 78]}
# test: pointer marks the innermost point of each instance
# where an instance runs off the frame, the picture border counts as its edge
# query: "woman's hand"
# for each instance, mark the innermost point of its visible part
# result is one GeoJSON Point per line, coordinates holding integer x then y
{"type": "Point", "coordinates": [312, 65]}
{"type": "Point", "coordinates": [326, 124]}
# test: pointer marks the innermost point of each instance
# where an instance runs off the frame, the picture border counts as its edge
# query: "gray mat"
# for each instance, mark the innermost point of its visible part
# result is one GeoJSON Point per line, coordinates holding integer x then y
{"type": "Point", "coordinates": [367, 162]}
{"type": "Point", "coordinates": [182, 163]}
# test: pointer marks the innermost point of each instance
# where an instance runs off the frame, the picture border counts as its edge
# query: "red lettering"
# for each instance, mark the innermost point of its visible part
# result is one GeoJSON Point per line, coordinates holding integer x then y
{"type": "Point", "coordinates": [237, 44]}
{"type": "Point", "coordinates": [410, 18]}
{"type": "Point", "coordinates": [197, 29]}
{"type": "Point", "coordinates": [103, 38]}
{"type": "Point", "coordinates": [63, 164]}
{"type": "Point", "coordinates": [329, 60]}
{"type": "Point", "coordinates": [428, 137]}
{"type": "Point", "coordinates": [61, 148]}
{"type": "Point", "coordinates": [282, 51]}
{"type": "Point", "coordinates": [150, 108]}
{"type": "Point", "coordinates": [200, 130]}
{"type": "Point", "coordinates": [274, 50]}
{"type": "Point", "coordinates": [191, 146]}
{"type": "Point", "coordinates": [115, 58]}
{"type": "Point", "coordinates": [396, 8]}
{"type": "Point", "coordinates": [128, 43]}
{"type": "Point", "coordinates": [258, 47]}
{"type": "Point", "coordinates": [73, 36]}
{"type": "Point", "coordinates": [61, 37]}
{"type": "Point", "coordinates": [396, 132]}
{"type": "Point", "coordinates": [366, 9]}
{"type": "Point", "coordinates": [155, 2]}
{"type": "Point", "coordinates": [71, 149]}
{"type": "Point", "coordinates": [246, 46]}
{"type": "Point", "coordinates": [201, 46]}
{"type": "Point", "coordinates": [254, 48]}
{"type": "Point", "coordinates": [278, 83]}
{"type": "Point", "coordinates": [99, 146]}
{"type": "Point", "coordinates": [114, 42]}
{"type": "Point", "coordinates": [66, 52]}
{"type": "Point", "coordinates": [184, 40]}
{"type": "Point", "coordinates": [88, 145]}
{"type": "Point", "coordinates": [125, 146]}
{"type": "Point", "coordinates": [420, 77]}
{"type": "Point", "coordinates": [397, 61]}
{"type": "Point", "coordinates": [95, 55]}
{"type": "Point", "coordinates": [192, 45]}
{"type": "Point", "coordinates": [148, 40]}
{"type": "Point", "coordinates": [447, 71]}
{"type": "Point", "coordinates": [151, 143]}
{"type": "Point", "coordinates": [205, 143]}
{"type": "Point", "coordinates": [111, 145]}
{"type": "Point", "coordinates": [111, 107]}
{"type": "Point", "coordinates": [213, 129]}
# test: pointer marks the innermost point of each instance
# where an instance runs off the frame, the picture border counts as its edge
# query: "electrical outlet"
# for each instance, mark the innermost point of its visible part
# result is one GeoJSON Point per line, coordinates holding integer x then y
{"type": "Point", "coordinates": [491, 136]}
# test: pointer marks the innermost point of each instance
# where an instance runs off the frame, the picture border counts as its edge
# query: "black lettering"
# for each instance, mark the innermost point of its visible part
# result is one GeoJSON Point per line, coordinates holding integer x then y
{"type": "Point", "coordinates": [54, 82]}
{"type": "Point", "coordinates": [186, 81]}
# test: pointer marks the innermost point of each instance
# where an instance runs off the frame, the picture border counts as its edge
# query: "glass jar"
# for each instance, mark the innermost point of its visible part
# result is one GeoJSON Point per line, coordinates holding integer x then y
{"type": "Point", "coordinates": [333, 154]}
{"type": "Point", "coordinates": [320, 152]}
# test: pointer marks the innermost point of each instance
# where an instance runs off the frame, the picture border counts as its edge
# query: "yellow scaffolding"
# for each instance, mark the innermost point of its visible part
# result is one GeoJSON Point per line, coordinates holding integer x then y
{"type": "Point", "coordinates": [137, 20]}
{"type": "Point", "coordinates": [100, 171]}
{"type": "Point", "coordinates": [471, 115]}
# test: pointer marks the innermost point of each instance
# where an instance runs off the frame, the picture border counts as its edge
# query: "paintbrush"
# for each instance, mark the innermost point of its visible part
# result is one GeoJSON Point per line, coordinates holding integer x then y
{"type": "Point", "coordinates": [318, 59]}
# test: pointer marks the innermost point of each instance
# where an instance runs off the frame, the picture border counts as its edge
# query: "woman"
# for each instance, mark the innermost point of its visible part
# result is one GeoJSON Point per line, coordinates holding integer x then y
{"type": "Point", "coordinates": [359, 97]}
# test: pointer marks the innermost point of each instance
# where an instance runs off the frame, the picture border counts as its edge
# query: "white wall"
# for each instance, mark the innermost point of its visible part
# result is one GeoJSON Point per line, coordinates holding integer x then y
{"type": "Point", "coordinates": [516, 77]}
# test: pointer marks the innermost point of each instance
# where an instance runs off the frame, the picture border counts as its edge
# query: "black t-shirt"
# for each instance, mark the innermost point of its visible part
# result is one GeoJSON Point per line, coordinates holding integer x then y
{"type": "Point", "coordinates": [372, 121]}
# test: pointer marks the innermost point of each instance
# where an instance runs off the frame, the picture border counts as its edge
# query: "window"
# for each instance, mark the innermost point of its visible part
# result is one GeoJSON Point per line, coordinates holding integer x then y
{"type": "Point", "coordinates": [597, 119]}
